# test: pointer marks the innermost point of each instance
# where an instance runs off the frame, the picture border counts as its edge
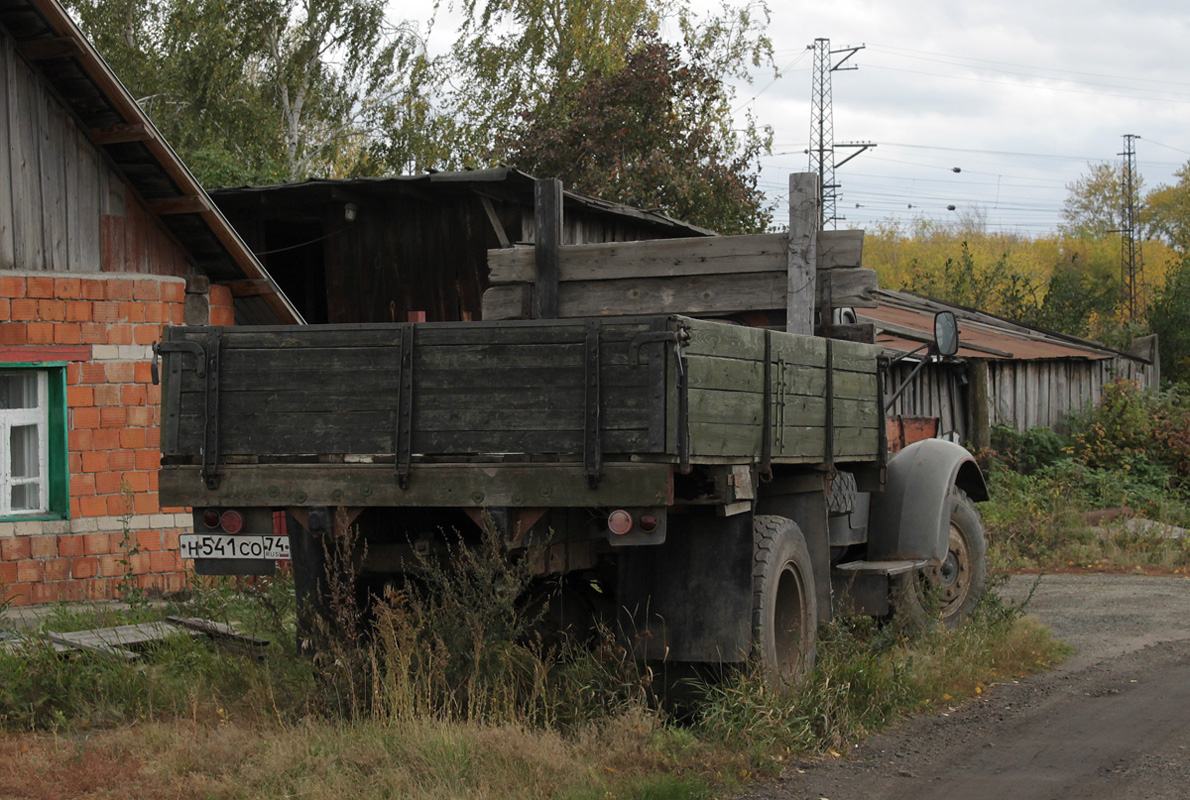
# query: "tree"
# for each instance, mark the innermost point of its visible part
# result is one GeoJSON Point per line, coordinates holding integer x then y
{"type": "Point", "coordinates": [254, 90]}
{"type": "Point", "coordinates": [1095, 202]}
{"type": "Point", "coordinates": [1167, 211]}
{"type": "Point", "coordinates": [655, 133]}
{"type": "Point", "coordinates": [1169, 318]}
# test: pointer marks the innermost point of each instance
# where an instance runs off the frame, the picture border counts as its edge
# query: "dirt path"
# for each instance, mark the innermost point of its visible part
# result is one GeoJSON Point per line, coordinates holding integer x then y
{"type": "Point", "coordinates": [1111, 723]}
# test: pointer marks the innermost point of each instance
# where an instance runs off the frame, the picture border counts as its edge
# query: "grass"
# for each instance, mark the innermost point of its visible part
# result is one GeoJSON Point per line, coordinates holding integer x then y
{"type": "Point", "coordinates": [442, 703]}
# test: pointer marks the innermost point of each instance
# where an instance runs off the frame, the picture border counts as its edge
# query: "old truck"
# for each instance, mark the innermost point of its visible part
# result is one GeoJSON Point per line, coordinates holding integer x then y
{"type": "Point", "coordinates": [719, 489]}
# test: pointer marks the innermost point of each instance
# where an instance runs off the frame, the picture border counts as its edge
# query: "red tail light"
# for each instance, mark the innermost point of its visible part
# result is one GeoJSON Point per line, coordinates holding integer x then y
{"type": "Point", "coordinates": [210, 518]}
{"type": "Point", "coordinates": [648, 523]}
{"type": "Point", "coordinates": [619, 522]}
{"type": "Point", "coordinates": [232, 521]}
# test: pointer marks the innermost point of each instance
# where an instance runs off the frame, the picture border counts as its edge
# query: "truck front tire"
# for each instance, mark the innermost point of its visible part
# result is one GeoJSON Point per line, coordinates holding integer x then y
{"type": "Point", "coordinates": [784, 608]}
{"type": "Point", "coordinates": [950, 591]}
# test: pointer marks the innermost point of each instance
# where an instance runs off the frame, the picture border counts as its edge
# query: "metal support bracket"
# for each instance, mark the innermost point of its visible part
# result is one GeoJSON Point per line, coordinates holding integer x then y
{"type": "Point", "coordinates": [403, 435]}
{"type": "Point", "coordinates": [766, 440]}
{"type": "Point", "coordinates": [592, 416]}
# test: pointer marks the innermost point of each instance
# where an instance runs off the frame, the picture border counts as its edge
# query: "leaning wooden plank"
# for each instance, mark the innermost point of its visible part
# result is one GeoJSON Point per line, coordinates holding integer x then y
{"type": "Point", "coordinates": [217, 629]}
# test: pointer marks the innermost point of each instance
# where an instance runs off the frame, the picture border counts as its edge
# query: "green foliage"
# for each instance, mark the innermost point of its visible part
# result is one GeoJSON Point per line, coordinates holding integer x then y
{"type": "Point", "coordinates": [1169, 318]}
{"type": "Point", "coordinates": [656, 134]}
{"type": "Point", "coordinates": [1094, 203]}
{"type": "Point", "coordinates": [1129, 455]}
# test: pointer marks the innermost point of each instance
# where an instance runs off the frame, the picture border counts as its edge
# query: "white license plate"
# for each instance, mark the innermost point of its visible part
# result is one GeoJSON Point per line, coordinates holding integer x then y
{"type": "Point", "coordinates": [215, 545]}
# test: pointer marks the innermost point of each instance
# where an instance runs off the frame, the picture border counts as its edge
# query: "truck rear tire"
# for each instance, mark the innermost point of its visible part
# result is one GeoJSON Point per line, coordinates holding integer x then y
{"type": "Point", "coordinates": [784, 605]}
{"type": "Point", "coordinates": [951, 591]}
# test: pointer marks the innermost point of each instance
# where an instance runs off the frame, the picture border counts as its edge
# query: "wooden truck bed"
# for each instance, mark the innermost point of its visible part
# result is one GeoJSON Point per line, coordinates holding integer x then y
{"type": "Point", "coordinates": [246, 406]}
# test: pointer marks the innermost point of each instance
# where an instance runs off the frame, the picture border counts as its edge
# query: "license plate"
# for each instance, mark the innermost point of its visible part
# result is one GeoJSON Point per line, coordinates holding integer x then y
{"type": "Point", "coordinates": [213, 545]}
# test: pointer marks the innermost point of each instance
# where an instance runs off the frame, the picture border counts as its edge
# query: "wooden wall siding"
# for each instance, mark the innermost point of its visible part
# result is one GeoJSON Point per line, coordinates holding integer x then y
{"type": "Point", "coordinates": [936, 391]}
{"type": "Point", "coordinates": [62, 207]}
{"type": "Point", "coordinates": [1023, 394]}
{"type": "Point", "coordinates": [1027, 394]}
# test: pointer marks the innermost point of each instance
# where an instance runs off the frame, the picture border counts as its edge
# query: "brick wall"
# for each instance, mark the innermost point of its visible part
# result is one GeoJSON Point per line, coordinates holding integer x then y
{"type": "Point", "coordinates": [102, 326]}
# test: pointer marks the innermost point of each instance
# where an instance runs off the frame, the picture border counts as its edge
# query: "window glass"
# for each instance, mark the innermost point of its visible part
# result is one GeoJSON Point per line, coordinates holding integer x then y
{"type": "Point", "coordinates": [19, 390]}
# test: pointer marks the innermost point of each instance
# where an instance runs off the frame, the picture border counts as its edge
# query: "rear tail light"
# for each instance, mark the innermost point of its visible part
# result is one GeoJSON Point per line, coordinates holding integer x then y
{"type": "Point", "coordinates": [210, 518]}
{"type": "Point", "coordinates": [648, 523]}
{"type": "Point", "coordinates": [619, 522]}
{"type": "Point", "coordinates": [231, 521]}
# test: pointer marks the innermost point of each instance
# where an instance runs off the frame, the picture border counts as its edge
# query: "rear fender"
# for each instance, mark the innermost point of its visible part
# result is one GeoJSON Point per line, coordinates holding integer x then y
{"type": "Point", "coordinates": [910, 519]}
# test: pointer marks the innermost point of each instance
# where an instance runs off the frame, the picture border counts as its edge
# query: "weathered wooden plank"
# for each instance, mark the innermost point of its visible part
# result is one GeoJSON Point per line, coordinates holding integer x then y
{"type": "Point", "coordinates": [805, 220]}
{"type": "Point", "coordinates": [735, 408]}
{"type": "Point", "coordinates": [448, 485]}
{"type": "Point", "coordinates": [658, 258]}
{"type": "Point", "coordinates": [72, 156]}
{"type": "Point", "coordinates": [28, 251]}
{"type": "Point", "coordinates": [850, 287]}
{"type": "Point", "coordinates": [689, 294]}
{"type": "Point", "coordinates": [547, 214]}
{"type": "Point", "coordinates": [53, 178]}
{"type": "Point", "coordinates": [839, 249]}
{"type": "Point", "coordinates": [7, 154]}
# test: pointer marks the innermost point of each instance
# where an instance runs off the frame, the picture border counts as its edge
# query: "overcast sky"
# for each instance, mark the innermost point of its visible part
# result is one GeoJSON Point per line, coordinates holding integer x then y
{"type": "Point", "coordinates": [1018, 94]}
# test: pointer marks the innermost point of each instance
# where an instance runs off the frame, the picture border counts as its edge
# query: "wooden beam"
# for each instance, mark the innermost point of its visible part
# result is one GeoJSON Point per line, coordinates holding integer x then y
{"type": "Point", "coordinates": [547, 238]}
{"type": "Point", "coordinates": [702, 255]}
{"type": "Point", "coordinates": [802, 257]}
{"type": "Point", "coordinates": [691, 294]}
{"type": "Point", "coordinates": [50, 49]}
{"type": "Point", "coordinates": [117, 134]}
{"type": "Point", "coordinates": [847, 288]}
{"type": "Point", "coordinates": [248, 288]}
{"type": "Point", "coordinates": [186, 204]}
{"type": "Point", "coordinates": [497, 226]}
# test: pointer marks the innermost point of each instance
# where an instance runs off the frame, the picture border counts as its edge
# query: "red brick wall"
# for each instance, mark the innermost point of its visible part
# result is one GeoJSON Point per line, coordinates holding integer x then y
{"type": "Point", "coordinates": [104, 326]}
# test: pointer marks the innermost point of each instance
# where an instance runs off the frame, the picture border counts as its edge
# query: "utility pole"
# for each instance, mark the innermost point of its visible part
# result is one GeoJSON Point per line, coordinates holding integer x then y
{"type": "Point", "coordinates": [1132, 264]}
{"type": "Point", "coordinates": [822, 126]}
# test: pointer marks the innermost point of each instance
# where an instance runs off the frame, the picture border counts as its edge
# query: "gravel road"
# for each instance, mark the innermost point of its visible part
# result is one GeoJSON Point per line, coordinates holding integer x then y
{"type": "Point", "coordinates": [1113, 722]}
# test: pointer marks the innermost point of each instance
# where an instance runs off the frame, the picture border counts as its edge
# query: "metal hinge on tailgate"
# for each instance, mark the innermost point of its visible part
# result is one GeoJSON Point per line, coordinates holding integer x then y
{"type": "Point", "coordinates": [206, 366]}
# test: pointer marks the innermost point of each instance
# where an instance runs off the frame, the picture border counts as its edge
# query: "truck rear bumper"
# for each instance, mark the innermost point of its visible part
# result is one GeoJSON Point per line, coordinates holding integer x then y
{"type": "Point", "coordinates": [541, 485]}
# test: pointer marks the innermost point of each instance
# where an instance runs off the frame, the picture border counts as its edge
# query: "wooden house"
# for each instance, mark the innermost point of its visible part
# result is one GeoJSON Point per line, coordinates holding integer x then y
{"type": "Point", "coordinates": [104, 237]}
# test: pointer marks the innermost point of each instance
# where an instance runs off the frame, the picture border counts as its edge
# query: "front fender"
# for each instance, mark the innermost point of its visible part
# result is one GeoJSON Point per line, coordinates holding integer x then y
{"type": "Point", "coordinates": [910, 519]}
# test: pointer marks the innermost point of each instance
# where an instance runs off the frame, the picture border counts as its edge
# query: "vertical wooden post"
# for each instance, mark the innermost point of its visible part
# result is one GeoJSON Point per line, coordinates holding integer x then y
{"type": "Point", "coordinates": [801, 253]}
{"type": "Point", "coordinates": [547, 238]}
{"type": "Point", "coordinates": [979, 404]}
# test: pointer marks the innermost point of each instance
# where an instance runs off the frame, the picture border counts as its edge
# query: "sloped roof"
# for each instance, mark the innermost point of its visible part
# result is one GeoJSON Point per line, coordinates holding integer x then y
{"type": "Point", "coordinates": [905, 321]}
{"type": "Point", "coordinates": [505, 183]}
{"type": "Point", "coordinates": [46, 36]}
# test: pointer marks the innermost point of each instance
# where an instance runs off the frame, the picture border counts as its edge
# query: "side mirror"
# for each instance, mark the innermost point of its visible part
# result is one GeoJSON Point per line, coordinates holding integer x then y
{"type": "Point", "coordinates": [946, 333]}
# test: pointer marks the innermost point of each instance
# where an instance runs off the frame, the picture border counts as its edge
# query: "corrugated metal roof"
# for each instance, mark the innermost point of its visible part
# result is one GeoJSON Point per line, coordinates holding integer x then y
{"type": "Point", "coordinates": [110, 117]}
{"type": "Point", "coordinates": [905, 321]}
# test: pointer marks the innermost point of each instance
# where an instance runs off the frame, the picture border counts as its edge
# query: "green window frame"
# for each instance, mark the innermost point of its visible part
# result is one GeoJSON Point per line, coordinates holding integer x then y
{"type": "Point", "coordinates": [45, 409]}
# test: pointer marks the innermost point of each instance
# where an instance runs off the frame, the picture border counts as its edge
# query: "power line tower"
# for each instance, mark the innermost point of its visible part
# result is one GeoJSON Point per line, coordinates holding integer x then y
{"type": "Point", "coordinates": [1132, 265]}
{"type": "Point", "coordinates": [822, 126]}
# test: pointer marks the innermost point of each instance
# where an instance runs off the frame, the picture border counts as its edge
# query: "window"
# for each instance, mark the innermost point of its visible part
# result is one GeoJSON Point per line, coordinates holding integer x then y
{"type": "Point", "coordinates": [33, 443]}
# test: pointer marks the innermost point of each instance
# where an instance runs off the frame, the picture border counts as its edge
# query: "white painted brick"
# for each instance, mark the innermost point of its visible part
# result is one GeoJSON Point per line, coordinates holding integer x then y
{"type": "Point", "coordinates": [135, 352]}
{"type": "Point", "coordinates": [84, 525]}
{"type": "Point", "coordinates": [28, 528]}
{"type": "Point", "coordinates": [105, 352]}
{"type": "Point", "coordinates": [7, 530]}
{"type": "Point", "coordinates": [55, 526]}
{"type": "Point", "coordinates": [161, 521]}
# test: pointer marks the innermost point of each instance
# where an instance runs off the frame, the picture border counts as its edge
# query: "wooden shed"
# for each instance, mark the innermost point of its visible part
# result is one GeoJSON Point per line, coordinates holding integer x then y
{"type": "Point", "coordinates": [1004, 373]}
{"type": "Point", "coordinates": [383, 249]}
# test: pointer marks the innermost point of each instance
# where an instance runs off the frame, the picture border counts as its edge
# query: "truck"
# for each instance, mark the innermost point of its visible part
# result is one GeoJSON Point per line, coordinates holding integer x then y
{"type": "Point", "coordinates": [716, 489]}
